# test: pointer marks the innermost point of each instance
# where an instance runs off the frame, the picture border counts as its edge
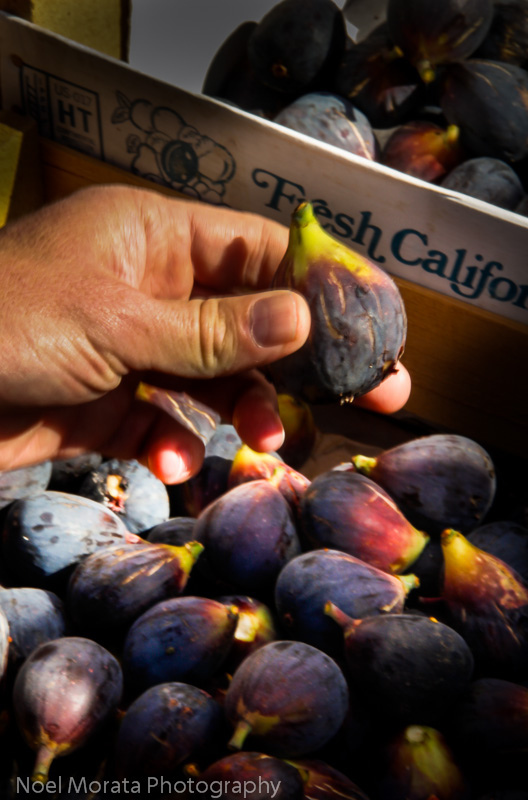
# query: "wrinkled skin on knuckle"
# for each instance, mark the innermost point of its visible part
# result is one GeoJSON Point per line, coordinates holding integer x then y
{"type": "Point", "coordinates": [217, 337]}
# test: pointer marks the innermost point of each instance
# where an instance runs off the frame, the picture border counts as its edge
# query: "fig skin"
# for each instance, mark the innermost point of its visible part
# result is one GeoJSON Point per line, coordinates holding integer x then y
{"type": "Point", "coordinates": [17, 484]}
{"type": "Point", "coordinates": [438, 481]}
{"type": "Point", "coordinates": [255, 628]}
{"type": "Point", "coordinates": [487, 603]}
{"type": "Point", "coordinates": [423, 150]}
{"type": "Point", "coordinates": [109, 589]}
{"type": "Point", "coordinates": [505, 539]}
{"type": "Point", "coordinates": [488, 101]}
{"type": "Point", "coordinates": [358, 325]}
{"type": "Point", "coordinates": [447, 32]}
{"type": "Point", "coordinates": [63, 693]}
{"type": "Point", "coordinates": [331, 119]}
{"type": "Point", "coordinates": [251, 769]}
{"type": "Point", "coordinates": [165, 726]}
{"type": "Point", "coordinates": [297, 44]}
{"type": "Point", "coordinates": [406, 668]}
{"type": "Point", "coordinates": [288, 699]}
{"type": "Point", "coordinates": [489, 179]}
{"type": "Point", "coordinates": [350, 512]}
{"type": "Point", "coordinates": [507, 38]}
{"type": "Point", "coordinates": [310, 580]}
{"type": "Point", "coordinates": [35, 616]}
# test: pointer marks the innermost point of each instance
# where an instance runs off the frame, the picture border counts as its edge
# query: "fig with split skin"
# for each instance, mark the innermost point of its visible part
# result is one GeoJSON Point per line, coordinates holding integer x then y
{"type": "Point", "coordinates": [324, 782]}
{"type": "Point", "coordinates": [487, 603]}
{"type": "Point", "coordinates": [438, 481]}
{"type": "Point", "coordinates": [359, 324]}
{"type": "Point", "coordinates": [287, 699]}
{"type": "Point", "coordinates": [63, 694]}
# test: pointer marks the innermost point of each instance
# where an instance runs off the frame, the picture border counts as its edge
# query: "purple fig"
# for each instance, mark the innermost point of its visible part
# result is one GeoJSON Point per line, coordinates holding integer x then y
{"type": "Point", "coordinates": [358, 319]}
{"type": "Point", "coordinates": [260, 776]}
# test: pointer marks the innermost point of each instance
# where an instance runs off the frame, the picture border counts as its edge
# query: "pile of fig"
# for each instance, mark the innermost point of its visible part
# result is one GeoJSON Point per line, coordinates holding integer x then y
{"type": "Point", "coordinates": [434, 87]}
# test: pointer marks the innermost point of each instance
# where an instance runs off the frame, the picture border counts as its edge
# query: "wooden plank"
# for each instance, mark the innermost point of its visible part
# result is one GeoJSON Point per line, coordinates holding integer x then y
{"type": "Point", "coordinates": [467, 364]}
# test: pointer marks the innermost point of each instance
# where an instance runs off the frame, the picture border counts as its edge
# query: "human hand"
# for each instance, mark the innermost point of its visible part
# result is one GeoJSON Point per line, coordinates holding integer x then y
{"type": "Point", "coordinates": [114, 285]}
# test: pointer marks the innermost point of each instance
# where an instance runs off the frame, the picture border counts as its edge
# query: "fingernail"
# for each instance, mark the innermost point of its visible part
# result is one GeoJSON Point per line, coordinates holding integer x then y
{"type": "Point", "coordinates": [274, 319]}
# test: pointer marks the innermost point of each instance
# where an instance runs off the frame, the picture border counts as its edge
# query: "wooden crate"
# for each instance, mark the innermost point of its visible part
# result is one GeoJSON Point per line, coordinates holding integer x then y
{"type": "Point", "coordinates": [467, 364]}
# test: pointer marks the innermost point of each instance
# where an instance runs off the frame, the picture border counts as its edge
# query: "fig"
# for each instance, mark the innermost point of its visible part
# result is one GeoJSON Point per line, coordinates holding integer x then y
{"type": "Point", "coordinates": [487, 179]}
{"type": "Point", "coordinates": [299, 430]}
{"type": "Point", "coordinates": [507, 38]}
{"type": "Point", "coordinates": [358, 325]}
{"type": "Point", "coordinates": [405, 667]}
{"type": "Point", "coordinates": [505, 539]}
{"type": "Point", "coordinates": [17, 484]}
{"type": "Point", "coordinates": [4, 644]}
{"type": "Point", "coordinates": [492, 717]}
{"type": "Point", "coordinates": [312, 579]}
{"type": "Point", "coordinates": [248, 535]}
{"type": "Point", "coordinates": [261, 776]}
{"type": "Point", "coordinates": [249, 465]}
{"type": "Point", "coordinates": [67, 474]}
{"type": "Point", "coordinates": [165, 726]}
{"type": "Point", "coordinates": [331, 119]}
{"type": "Point", "coordinates": [131, 491]}
{"type": "Point", "coordinates": [111, 588]}
{"type": "Point", "coordinates": [447, 32]}
{"type": "Point", "coordinates": [488, 101]}
{"type": "Point", "coordinates": [350, 512]}
{"type": "Point", "coordinates": [182, 639]}
{"type": "Point", "coordinates": [176, 531]}
{"type": "Point", "coordinates": [324, 782]}
{"type": "Point", "coordinates": [46, 535]}
{"type": "Point", "coordinates": [34, 616]}
{"type": "Point", "coordinates": [297, 44]}
{"type": "Point", "coordinates": [288, 699]}
{"type": "Point", "coordinates": [488, 605]}
{"type": "Point", "coordinates": [379, 81]}
{"type": "Point", "coordinates": [438, 481]}
{"type": "Point", "coordinates": [63, 693]}
{"type": "Point", "coordinates": [424, 150]}
{"type": "Point", "coordinates": [421, 765]}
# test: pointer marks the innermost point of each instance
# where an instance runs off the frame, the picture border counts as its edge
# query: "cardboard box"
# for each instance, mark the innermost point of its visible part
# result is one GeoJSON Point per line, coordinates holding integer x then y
{"type": "Point", "coordinates": [460, 263]}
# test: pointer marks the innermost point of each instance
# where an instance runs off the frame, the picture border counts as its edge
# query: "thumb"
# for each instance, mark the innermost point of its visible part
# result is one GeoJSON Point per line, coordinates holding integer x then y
{"type": "Point", "coordinates": [208, 337]}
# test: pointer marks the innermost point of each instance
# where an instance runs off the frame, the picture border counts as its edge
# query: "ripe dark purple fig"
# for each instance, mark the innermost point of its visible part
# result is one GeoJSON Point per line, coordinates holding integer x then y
{"type": "Point", "coordinates": [379, 81]}
{"type": "Point", "coordinates": [324, 782]}
{"type": "Point", "coordinates": [405, 667]}
{"type": "Point", "coordinates": [131, 491]}
{"type": "Point", "coordinates": [260, 776]}
{"type": "Point", "coordinates": [165, 726]}
{"type": "Point", "coordinates": [4, 644]}
{"type": "Point", "coordinates": [331, 119]}
{"type": "Point", "coordinates": [489, 179]}
{"type": "Point", "coordinates": [350, 512]}
{"type": "Point", "coordinates": [358, 325]}
{"type": "Point", "coordinates": [287, 699]}
{"type": "Point", "coordinates": [248, 535]}
{"type": "Point", "coordinates": [111, 588]}
{"type": "Point", "coordinates": [430, 36]}
{"type": "Point", "coordinates": [249, 465]}
{"type": "Point", "coordinates": [34, 616]}
{"type": "Point", "coordinates": [312, 579]}
{"type": "Point", "coordinates": [507, 38]}
{"type": "Point", "coordinates": [488, 605]}
{"type": "Point", "coordinates": [297, 44]}
{"type": "Point", "coordinates": [176, 531]}
{"type": "Point", "coordinates": [420, 765]}
{"type": "Point", "coordinates": [46, 535]}
{"type": "Point", "coordinates": [438, 481]}
{"type": "Point", "coordinates": [423, 150]}
{"type": "Point", "coordinates": [17, 484]}
{"type": "Point", "coordinates": [67, 474]}
{"type": "Point", "coordinates": [63, 693]}
{"type": "Point", "coordinates": [488, 101]}
{"type": "Point", "coordinates": [182, 639]}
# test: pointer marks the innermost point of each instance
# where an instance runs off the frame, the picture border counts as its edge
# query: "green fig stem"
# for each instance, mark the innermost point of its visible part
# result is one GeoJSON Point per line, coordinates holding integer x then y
{"type": "Point", "coordinates": [45, 756]}
{"type": "Point", "coordinates": [195, 549]}
{"type": "Point", "coordinates": [409, 582]}
{"type": "Point", "coordinates": [335, 613]}
{"type": "Point", "coordinates": [242, 731]}
{"type": "Point", "coordinates": [364, 464]}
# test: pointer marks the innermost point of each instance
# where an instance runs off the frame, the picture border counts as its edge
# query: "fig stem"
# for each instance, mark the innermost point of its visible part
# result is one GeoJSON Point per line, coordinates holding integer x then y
{"type": "Point", "coordinates": [409, 582]}
{"type": "Point", "coordinates": [242, 730]}
{"type": "Point", "coordinates": [335, 613]}
{"type": "Point", "coordinates": [364, 464]}
{"type": "Point", "coordinates": [45, 756]}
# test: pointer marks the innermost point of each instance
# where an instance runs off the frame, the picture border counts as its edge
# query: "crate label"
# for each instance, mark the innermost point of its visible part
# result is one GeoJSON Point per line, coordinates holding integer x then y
{"type": "Point", "coordinates": [208, 150]}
